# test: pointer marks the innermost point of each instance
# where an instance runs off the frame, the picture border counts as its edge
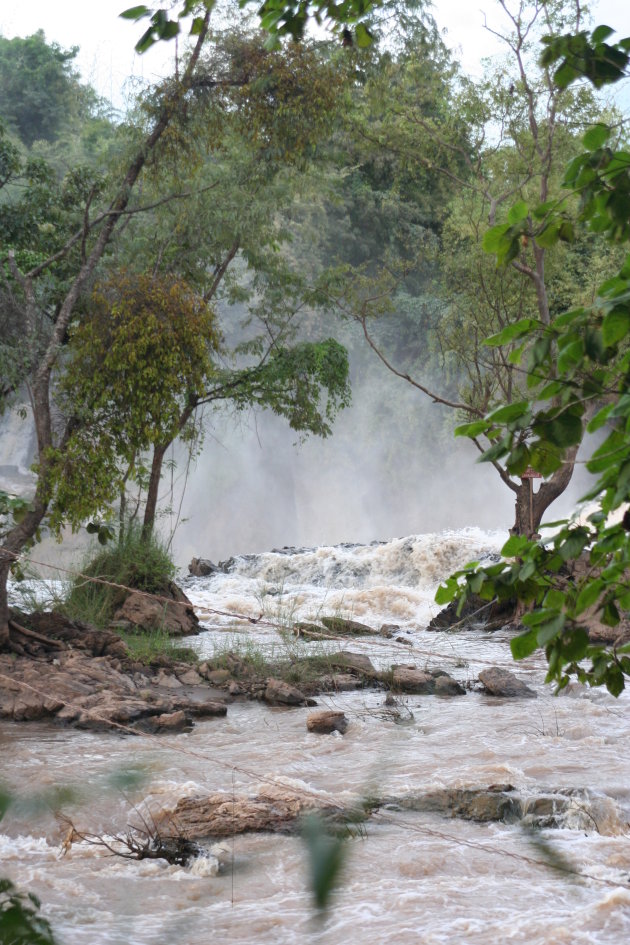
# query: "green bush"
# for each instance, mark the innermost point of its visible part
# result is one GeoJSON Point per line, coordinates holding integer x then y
{"type": "Point", "coordinates": [139, 562]}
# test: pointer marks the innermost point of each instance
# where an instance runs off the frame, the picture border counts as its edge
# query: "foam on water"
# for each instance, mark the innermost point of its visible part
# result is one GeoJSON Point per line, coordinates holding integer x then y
{"type": "Point", "coordinates": [413, 878]}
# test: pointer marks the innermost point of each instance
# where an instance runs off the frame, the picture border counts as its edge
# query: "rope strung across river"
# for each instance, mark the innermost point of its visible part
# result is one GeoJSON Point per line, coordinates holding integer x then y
{"type": "Point", "coordinates": [260, 620]}
{"type": "Point", "coordinates": [384, 816]}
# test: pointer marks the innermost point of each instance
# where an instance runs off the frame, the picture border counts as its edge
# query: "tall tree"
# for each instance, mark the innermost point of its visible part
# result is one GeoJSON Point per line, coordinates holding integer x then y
{"type": "Point", "coordinates": [499, 140]}
{"type": "Point", "coordinates": [40, 91]}
{"type": "Point", "coordinates": [49, 268]}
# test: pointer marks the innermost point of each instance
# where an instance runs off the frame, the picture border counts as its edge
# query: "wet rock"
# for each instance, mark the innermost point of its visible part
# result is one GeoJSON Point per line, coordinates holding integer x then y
{"type": "Point", "coordinates": [147, 612]}
{"type": "Point", "coordinates": [389, 629]}
{"type": "Point", "coordinates": [410, 679]}
{"type": "Point", "coordinates": [171, 722]}
{"type": "Point", "coordinates": [599, 633]}
{"type": "Point", "coordinates": [343, 627]}
{"type": "Point", "coordinates": [74, 687]}
{"type": "Point", "coordinates": [326, 722]}
{"type": "Point", "coordinates": [484, 805]}
{"type": "Point", "coordinates": [476, 614]}
{"type": "Point", "coordinates": [78, 635]}
{"type": "Point", "coordinates": [445, 685]}
{"type": "Point", "coordinates": [404, 640]}
{"type": "Point", "coordinates": [201, 567]}
{"type": "Point", "coordinates": [216, 676]}
{"type": "Point", "coordinates": [278, 692]}
{"type": "Point", "coordinates": [189, 677]}
{"type": "Point", "coordinates": [353, 663]}
{"type": "Point", "coordinates": [308, 630]}
{"type": "Point", "coordinates": [501, 682]}
{"type": "Point", "coordinates": [225, 815]}
{"type": "Point", "coordinates": [341, 682]}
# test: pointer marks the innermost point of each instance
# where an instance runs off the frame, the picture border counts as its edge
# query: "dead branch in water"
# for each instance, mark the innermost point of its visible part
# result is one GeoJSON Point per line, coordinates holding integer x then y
{"type": "Point", "coordinates": [138, 843]}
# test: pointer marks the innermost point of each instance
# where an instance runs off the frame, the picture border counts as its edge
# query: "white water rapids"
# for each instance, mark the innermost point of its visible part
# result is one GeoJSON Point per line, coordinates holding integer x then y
{"type": "Point", "coordinates": [411, 877]}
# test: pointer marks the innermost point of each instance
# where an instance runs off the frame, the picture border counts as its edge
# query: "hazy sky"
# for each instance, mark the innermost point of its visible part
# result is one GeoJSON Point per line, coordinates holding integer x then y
{"type": "Point", "coordinates": [107, 57]}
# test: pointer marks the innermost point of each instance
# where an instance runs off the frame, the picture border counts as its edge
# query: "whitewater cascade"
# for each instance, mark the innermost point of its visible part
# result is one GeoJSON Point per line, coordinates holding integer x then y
{"type": "Point", "coordinates": [410, 877]}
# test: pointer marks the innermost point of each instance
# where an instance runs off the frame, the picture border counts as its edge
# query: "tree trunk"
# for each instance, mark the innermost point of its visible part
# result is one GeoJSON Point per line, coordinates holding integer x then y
{"type": "Point", "coordinates": [531, 506]}
{"type": "Point", "coordinates": [4, 605]}
{"type": "Point", "coordinates": [150, 510]}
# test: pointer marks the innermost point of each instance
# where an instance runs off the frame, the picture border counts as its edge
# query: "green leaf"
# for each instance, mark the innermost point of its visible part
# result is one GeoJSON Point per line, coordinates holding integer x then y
{"type": "Point", "coordinates": [588, 595]}
{"type": "Point", "coordinates": [363, 36]}
{"type": "Point", "coordinates": [510, 332]}
{"type": "Point", "coordinates": [596, 137]}
{"type": "Point", "coordinates": [146, 41]}
{"type": "Point", "coordinates": [563, 430]}
{"type": "Point", "coordinates": [472, 429]}
{"type": "Point", "coordinates": [509, 412]}
{"type": "Point", "coordinates": [524, 645]}
{"type": "Point", "coordinates": [600, 418]}
{"type": "Point", "coordinates": [493, 238]}
{"type": "Point", "coordinates": [601, 33]}
{"type": "Point", "coordinates": [549, 236]}
{"type": "Point", "coordinates": [573, 546]}
{"type": "Point", "coordinates": [517, 212]}
{"type": "Point", "coordinates": [615, 326]}
{"type": "Point", "coordinates": [515, 546]}
{"type": "Point", "coordinates": [325, 857]}
{"type": "Point", "coordinates": [527, 571]}
{"type": "Point", "coordinates": [496, 451]}
{"type": "Point", "coordinates": [446, 592]}
{"type": "Point", "coordinates": [550, 629]}
{"type": "Point", "coordinates": [135, 13]}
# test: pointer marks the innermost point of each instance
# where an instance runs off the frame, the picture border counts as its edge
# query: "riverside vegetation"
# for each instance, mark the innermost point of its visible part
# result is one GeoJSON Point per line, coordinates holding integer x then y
{"type": "Point", "coordinates": [119, 317]}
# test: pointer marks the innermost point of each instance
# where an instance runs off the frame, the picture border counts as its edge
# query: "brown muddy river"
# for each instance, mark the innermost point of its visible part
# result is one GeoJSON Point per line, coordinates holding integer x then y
{"type": "Point", "coordinates": [409, 877]}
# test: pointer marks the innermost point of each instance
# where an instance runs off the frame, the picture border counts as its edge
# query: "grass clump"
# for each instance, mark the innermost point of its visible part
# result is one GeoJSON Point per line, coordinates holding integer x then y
{"type": "Point", "coordinates": [156, 646]}
{"type": "Point", "coordinates": [137, 561]}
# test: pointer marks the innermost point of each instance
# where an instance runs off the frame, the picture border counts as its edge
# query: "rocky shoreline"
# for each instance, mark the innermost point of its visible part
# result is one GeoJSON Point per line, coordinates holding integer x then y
{"type": "Point", "coordinates": [73, 674]}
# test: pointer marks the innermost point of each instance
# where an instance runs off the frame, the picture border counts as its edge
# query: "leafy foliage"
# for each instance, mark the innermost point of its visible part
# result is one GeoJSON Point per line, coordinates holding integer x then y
{"type": "Point", "coordinates": [278, 17]}
{"type": "Point", "coordinates": [578, 370]}
{"type": "Point", "coordinates": [138, 360]}
{"type": "Point", "coordinates": [40, 93]}
{"type": "Point", "coordinates": [20, 922]}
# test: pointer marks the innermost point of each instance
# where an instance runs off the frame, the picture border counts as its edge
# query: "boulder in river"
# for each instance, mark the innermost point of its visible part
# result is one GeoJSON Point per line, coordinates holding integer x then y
{"type": "Point", "coordinates": [171, 611]}
{"type": "Point", "coordinates": [326, 722]}
{"type": "Point", "coordinates": [344, 627]}
{"type": "Point", "coordinates": [278, 692]}
{"type": "Point", "coordinates": [421, 682]}
{"type": "Point", "coordinates": [501, 682]}
{"type": "Point", "coordinates": [353, 663]}
{"type": "Point", "coordinates": [201, 567]}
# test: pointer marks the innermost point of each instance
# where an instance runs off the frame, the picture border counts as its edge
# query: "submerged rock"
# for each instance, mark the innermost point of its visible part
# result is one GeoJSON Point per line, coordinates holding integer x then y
{"type": "Point", "coordinates": [484, 805]}
{"type": "Point", "coordinates": [279, 808]}
{"type": "Point", "coordinates": [344, 627]}
{"type": "Point", "coordinates": [501, 682]}
{"type": "Point", "coordinates": [326, 722]}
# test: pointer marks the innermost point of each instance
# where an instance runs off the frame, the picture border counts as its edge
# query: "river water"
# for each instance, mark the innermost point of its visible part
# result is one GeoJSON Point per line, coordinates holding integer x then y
{"type": "Point", "coordinates": [409, 877]}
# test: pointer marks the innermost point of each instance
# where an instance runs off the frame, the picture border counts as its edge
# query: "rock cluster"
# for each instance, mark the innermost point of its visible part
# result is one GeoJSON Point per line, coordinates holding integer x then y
{"type": "Point", "coordinates": [277, 809]}
{"type": "Point", "coordinates": [86, 679]}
